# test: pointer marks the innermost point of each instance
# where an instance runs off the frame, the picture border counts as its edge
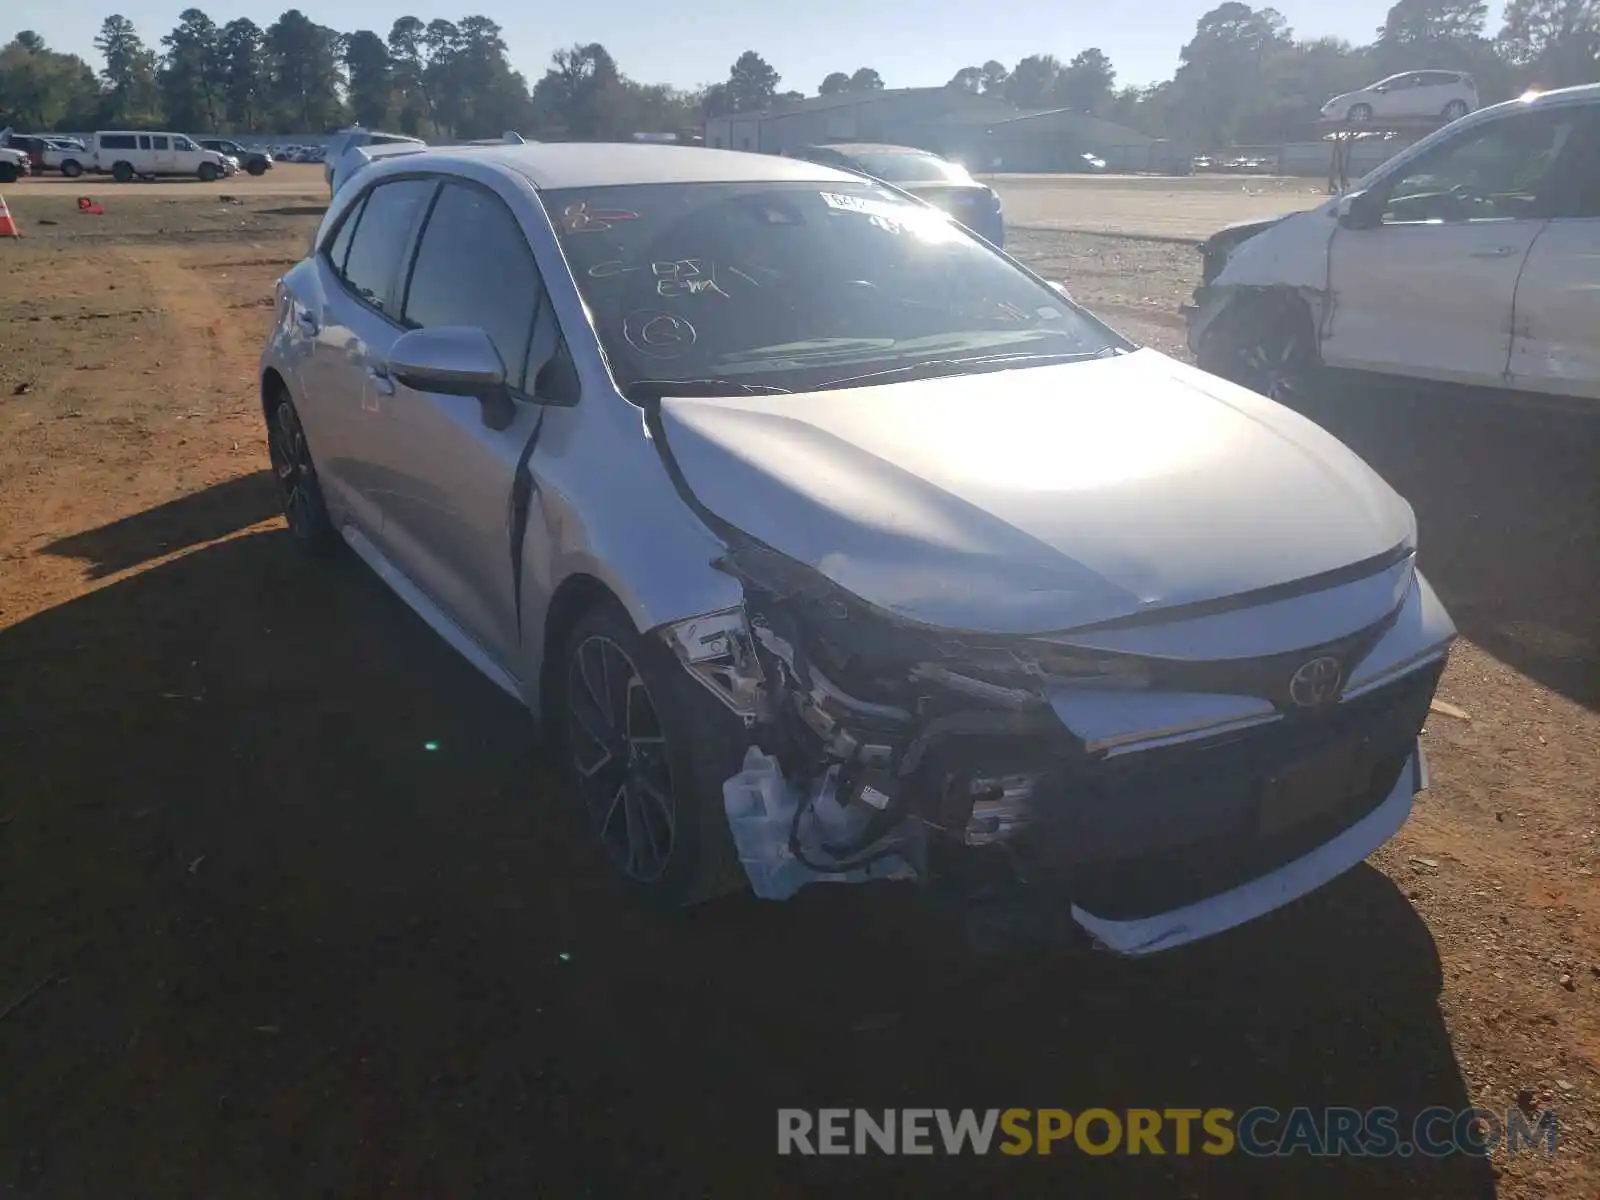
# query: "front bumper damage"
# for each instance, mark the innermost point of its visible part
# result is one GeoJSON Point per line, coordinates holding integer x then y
{"type": "Point", "coordinates": [1023, 781]}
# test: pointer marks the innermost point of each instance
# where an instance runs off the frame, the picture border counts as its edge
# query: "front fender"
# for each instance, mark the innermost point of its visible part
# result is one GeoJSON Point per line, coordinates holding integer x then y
{"type": "Point", "coordinates": [1291, 255]}
{"type": "Point", "coordinates": [605, 509]}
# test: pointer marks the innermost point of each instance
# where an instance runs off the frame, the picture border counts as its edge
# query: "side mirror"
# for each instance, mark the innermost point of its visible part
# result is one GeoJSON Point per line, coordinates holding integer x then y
{"type": "Point", "coordinates": [454, 360]}
{"type": "Point", "coordinates": [1360, 210]}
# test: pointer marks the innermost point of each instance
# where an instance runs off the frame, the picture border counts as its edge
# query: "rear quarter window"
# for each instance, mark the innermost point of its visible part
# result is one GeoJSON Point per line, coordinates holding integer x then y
{"type": "Point", "coordinates": [382, 238]}
{"type": "Point", "coordinates": [339, 246]}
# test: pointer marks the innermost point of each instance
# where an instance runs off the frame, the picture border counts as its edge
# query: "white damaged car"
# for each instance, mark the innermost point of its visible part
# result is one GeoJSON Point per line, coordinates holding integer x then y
{"type": "Point", "coordinates": [831, 544]}
{"type": "Point", "coordinates": [1468, 258]}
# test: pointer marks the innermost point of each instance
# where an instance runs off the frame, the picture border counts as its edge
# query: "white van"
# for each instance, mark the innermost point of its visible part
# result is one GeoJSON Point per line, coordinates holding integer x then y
{"type": "Point", "coordinates": [126, 155]}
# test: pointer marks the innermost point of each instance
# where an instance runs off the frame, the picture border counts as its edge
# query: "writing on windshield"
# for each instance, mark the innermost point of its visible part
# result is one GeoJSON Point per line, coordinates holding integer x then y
{"type": "Point", "coordinates": [789, 285]}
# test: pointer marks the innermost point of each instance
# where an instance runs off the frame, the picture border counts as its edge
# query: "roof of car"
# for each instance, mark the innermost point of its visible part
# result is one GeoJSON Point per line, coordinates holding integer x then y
{"type": "Point", "coordinates": [604, 164]}
{"type": "Point", "coordinates": [1582, 94]}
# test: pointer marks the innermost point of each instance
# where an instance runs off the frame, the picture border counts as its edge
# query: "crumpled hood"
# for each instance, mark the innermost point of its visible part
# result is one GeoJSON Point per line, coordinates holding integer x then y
{"type": "Point", "coordinates": [1038, 499]}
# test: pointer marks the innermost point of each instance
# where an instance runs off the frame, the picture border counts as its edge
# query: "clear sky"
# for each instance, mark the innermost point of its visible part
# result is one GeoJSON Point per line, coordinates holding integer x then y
{"type": "Point", "coordinates": [695, 41]}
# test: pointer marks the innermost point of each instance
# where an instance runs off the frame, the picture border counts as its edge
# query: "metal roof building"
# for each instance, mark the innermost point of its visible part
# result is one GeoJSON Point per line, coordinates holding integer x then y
{"type": "Point", "coordinates": [847, 117]}
{"type": "Point", "coordinates": [984, 133]}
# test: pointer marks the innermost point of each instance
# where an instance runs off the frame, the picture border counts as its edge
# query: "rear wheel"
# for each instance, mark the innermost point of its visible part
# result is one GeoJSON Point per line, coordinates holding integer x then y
{"type": "Point", "coordinates": [1455, 110]}
{"type": "Point", "coordinates": [1267, 344]}
{"type": "Point", "coordinates": [72, 168]}
{"type": "Point", "coordinates": [647, 755]}
{"type": "Point", "coordinates": [122, 172]}
{"type": "Point", "coordinates": [298, 488]}
{"type": "Point", "coordinates": [1361, 112]}
{"type": "Point", "coordinates": [209, 173]}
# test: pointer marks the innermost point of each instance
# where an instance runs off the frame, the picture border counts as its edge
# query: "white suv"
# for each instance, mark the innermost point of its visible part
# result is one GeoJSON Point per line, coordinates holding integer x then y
{"type": "Point", "coordinates": [1467, 258]}
{"type": "Point", "coordinates": [1411, 95]}
{"type": "Point", "coordinates": [129, 155]}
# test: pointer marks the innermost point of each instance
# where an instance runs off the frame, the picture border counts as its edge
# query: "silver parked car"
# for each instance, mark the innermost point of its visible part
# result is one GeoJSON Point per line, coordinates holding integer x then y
{"type": "Point", "coordinates": [831, 544]}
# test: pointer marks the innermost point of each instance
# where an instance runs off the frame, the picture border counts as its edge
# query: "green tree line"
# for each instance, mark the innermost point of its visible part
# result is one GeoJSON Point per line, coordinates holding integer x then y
{"type": "Point", "coordinates": [1242, 78]}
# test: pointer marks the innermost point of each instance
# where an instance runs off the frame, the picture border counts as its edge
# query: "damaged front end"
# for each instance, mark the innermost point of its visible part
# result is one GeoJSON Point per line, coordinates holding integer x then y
{"type": "Point", "coordinates": [946, 752]}
{"type": "Point", "coordinates": [1284, 256]}
{"type": "Point", "coordinates": [1023, 781]}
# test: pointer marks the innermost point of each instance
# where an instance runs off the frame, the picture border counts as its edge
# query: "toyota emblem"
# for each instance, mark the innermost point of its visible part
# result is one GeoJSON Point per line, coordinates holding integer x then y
{"type": "Point", "coordinates": [1316, 682]}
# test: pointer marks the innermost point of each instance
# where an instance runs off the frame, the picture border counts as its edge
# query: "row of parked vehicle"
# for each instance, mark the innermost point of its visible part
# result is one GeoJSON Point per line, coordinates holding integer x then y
{"type": "Point", "coordinates": [126, 155]}
{"type": "Point", "coordinates": [298, 154]}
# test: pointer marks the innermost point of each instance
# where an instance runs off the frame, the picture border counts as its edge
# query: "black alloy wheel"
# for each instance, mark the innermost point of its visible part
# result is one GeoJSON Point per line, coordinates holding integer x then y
{"type": "Point", "coordinates": [1265, 343]}
{"type": "Point", "coordinates": [620, 756]}
{"type": "Point", "coordinates": [298, 489]}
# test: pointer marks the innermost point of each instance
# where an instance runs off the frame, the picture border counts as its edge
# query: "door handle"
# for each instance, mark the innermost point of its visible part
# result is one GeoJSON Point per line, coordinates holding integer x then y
{"type": "Point", "coordinates": [308, 323]}
{"type": "Point", "coordinates": [1497, 252]}
{"type": "Point", "coordinates": [381, 383]}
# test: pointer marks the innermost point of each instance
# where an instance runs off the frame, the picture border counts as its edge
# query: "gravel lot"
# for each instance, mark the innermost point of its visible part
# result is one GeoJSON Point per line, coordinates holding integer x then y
{"type": "Point", "coordinates": [267, 942]}
{"type": "Point", "coordinates": [1148, 206]}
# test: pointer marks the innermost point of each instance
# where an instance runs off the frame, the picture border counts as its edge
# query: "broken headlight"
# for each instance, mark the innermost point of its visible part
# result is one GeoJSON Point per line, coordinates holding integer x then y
{"type": "Point", "coordinates": [717, 651]}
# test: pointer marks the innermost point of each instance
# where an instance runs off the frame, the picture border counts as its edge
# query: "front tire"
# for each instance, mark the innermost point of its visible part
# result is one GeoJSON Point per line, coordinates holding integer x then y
{"type": "Point", "coordinates": [299, 491]}
{"type": "Point", "coordinates": [257, 167]}
{"type": "Point", "coordinates": [72, 168]}
{"type": "Point", "coordinates": [647, 755]}
{"type": "Point", "coordinates": [209, 173]}
{"type": "Point", "coordinates": [1266, 343]}
{"type": "Point", "coordinates": [9, 173]}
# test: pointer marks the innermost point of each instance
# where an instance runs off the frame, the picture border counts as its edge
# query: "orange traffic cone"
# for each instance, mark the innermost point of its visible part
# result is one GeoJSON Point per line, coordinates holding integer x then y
{"type": "Point", "coordinates": [8, 227]}
{"type": "Point", "coordinates": [88, 204]}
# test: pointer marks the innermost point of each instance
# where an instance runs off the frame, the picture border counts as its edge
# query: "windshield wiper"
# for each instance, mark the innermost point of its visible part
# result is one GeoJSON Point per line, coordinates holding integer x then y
{"type": "Point", "coordinates": [654, 389]}
{"type": "Point", "coordinates": [933, 368]}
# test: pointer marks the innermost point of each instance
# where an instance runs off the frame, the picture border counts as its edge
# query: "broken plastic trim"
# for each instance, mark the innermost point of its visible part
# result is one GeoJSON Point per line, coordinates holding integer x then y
{"type": "Point", "coordinates": [788, 835]}
{"type": "Point", "coordinates": [717, 651]}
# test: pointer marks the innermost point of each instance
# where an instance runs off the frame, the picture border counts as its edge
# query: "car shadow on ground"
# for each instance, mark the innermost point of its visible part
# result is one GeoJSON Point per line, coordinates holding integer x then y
{"type": "Point", "coordinates": [1508, 510]}
{"type": "Point", "coordinates": [190, 520]}
{"type": "Point", "coordinates": [299, 210]}
{"type": "Point", "coordinates": [316, 918]}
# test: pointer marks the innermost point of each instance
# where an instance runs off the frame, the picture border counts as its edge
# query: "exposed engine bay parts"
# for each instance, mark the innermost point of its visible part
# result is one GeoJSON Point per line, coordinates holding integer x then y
{"type": "Point", "coordinates": [1156, 800]}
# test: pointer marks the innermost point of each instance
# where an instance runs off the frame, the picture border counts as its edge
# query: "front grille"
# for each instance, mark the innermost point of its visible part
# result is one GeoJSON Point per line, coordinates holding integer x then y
{"type": "Point", "coordinates": [1153, 831]}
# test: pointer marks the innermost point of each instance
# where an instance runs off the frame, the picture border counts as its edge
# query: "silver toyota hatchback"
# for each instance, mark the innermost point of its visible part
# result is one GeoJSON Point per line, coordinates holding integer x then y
{"type": "Point", "coordinates": [829, 544]}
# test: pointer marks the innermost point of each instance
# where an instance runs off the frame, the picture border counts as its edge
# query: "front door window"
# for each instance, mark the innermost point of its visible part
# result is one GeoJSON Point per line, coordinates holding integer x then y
{"type": "Point", "coordinates": [1499, 171]}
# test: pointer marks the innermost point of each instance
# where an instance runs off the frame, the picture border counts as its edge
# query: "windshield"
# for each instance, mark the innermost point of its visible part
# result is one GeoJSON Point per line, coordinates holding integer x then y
{"type": "Point", "coordinates": [910, 168]}
{"type": "Point", "coordinates": [797, 285]}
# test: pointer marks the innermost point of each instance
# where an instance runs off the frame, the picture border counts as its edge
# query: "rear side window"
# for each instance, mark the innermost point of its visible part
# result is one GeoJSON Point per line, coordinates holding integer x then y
{"type": "Point", "coordinates": [117, 141]}
{"type": "Point", "coordinates": [372, 262]}
{"type": "Point", "coordinates": [340, 246]}
{"type": "Point", "coordinates": [473, 267]}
